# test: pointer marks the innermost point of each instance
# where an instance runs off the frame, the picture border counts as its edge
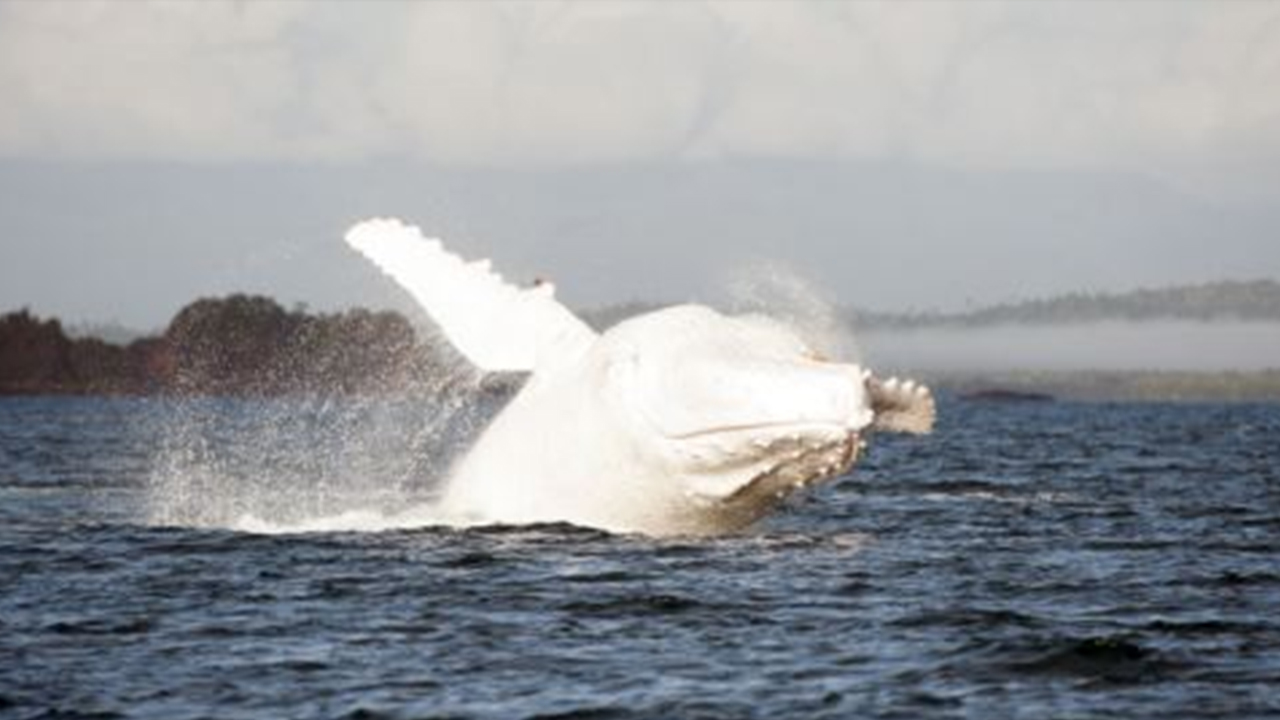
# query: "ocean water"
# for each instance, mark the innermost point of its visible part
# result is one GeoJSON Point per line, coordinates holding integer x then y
{"type": "Point", "coordinates": [1036, 560]}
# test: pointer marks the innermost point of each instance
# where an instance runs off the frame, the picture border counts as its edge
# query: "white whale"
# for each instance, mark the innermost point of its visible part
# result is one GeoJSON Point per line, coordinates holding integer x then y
{"type": "Point", "coordinates": [680, 421]}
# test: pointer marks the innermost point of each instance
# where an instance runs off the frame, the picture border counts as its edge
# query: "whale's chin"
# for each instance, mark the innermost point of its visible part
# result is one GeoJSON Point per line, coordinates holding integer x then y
{"type": "Point", "coordinates": [794, 462]}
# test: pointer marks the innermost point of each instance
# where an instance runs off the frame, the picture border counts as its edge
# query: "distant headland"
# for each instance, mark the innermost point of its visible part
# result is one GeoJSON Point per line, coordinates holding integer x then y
{"type": "Point", "coordinates": [239, 345]}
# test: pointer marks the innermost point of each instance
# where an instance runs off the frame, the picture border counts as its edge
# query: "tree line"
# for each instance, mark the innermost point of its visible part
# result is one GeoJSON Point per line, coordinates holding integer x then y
{"type": "Point", "coordinates": [1254, 300]}
{"type": "Point", "coordinates": [1250, 300]}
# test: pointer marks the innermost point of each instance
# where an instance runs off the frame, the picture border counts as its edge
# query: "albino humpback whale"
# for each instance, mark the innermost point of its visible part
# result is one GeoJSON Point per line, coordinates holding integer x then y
{"type": "Point", "coordinates": [680, 421]}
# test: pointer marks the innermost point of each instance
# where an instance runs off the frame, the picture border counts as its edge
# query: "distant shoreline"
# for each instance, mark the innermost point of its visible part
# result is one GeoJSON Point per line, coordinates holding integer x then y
{"type": "Point", "coordinates": [1223, 300]}
{"type": "Point", "coordinates": [1118, 385]}
{"type": "Point", "coordinates": [251, 346]}
{"type": "Point", "coordinates": [1001, 387]}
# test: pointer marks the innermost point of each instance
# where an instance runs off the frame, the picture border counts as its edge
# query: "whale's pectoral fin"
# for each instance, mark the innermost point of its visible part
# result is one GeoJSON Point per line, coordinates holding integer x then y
{"type": "Point", "coordinates": [496, 325]}
{"type": "Point", "coordinates": [901, 405]}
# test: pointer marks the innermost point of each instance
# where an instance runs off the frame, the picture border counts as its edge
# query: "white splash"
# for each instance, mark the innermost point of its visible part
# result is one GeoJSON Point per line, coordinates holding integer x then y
{"type": "Point", "coordinates": [316, 463]}
{"type": "Point", "coordinates": [425, 514]}
{"type": "Point", "coordinates": [777, 290]}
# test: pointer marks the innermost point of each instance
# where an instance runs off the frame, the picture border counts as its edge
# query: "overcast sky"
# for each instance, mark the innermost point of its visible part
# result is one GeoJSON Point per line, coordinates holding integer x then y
{"type": "Point", "coordinates": [906, 154]}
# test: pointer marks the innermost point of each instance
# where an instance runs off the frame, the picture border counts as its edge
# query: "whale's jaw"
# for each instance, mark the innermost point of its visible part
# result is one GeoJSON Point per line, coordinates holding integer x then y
{"type": "Point", "coordinates": [782, 465]}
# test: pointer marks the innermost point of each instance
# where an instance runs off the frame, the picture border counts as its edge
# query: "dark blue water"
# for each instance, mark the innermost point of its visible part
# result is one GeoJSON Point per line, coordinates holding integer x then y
{"type": "Point", "coordinates": [1057, 560]}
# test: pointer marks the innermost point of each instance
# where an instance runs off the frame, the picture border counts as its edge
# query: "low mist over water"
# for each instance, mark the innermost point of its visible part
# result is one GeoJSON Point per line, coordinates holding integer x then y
{"type": "Point", "coordinates": [1160, 345]}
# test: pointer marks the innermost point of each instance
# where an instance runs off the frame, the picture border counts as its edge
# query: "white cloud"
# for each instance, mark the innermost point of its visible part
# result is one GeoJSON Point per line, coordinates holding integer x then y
{"type": "Point", "coordinates": [581, 82]}
{"type": "Point", "coordinates": [150, 79]}
{"type": "Point", "coordinates": [1131, 85]}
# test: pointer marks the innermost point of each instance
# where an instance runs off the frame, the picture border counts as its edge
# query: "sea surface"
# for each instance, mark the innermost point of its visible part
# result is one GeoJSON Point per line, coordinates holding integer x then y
{"type": "Point", "coordinates": [1026, 561]}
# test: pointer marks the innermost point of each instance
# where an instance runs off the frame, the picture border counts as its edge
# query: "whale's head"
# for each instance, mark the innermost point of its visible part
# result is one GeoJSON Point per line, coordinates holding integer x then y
{"type": "Point", "coordinates": [739, 411]}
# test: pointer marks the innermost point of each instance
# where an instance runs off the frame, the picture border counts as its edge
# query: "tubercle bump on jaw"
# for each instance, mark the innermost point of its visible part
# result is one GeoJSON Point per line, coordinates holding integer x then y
{"type": "Point", "coordinates": [901, 405]}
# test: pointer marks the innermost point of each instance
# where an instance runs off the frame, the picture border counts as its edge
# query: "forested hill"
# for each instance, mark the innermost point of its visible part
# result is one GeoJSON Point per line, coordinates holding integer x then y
{"type": "Point", "coordinates": [239, 345]}
{"type": "Point", "coordinates": [1255, 300]}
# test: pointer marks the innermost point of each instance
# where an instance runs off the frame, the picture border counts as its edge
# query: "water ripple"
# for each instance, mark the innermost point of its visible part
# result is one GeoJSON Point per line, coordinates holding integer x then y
{"type": "Point", "coordinates": [1040, 561]}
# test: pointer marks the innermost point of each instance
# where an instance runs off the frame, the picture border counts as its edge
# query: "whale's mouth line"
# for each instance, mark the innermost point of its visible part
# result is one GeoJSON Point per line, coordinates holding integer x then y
{"type": "Point", "coordinates": [779, 427]}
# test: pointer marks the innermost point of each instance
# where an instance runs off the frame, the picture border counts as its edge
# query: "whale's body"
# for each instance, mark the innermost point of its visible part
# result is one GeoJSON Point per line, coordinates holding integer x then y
{"type": "Point", "coordinates": [679, 421]}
